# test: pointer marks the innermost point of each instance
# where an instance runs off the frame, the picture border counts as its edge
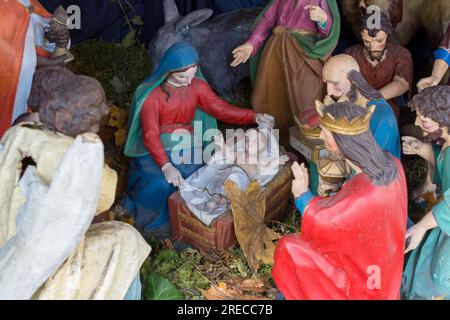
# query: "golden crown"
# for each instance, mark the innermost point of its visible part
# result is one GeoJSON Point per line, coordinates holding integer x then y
{"type": "Point", "coordinates": [342, 125]}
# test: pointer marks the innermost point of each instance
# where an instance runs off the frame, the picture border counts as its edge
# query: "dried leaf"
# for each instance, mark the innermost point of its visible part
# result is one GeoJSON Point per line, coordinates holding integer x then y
{"type": "Point", "coordinates": [167, 244]}
{"type": "Point", "coordinates": [217, 293]}
{"type": "Point", "coordinates": [252, 283]}
{"type": "Point", "coordinates": [117, 116]}
{"type": "Point", "coordinates": [254, 237]}
{"type": "Point", "coordinates": [120, 137]}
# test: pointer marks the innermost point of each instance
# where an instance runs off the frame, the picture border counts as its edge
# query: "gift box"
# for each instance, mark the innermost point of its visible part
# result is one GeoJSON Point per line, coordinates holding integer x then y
{"type": "Point", "coordinates": [220, 234]}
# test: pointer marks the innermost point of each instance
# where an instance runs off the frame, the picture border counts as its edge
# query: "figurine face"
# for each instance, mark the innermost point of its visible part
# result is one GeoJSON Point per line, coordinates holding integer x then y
{"type": "Point", "coordinates": [330, 144]}
{"type": "Point", "coordinates": [375, 46]}
{"type": "Point", "coordinates": [184, 78]}
{"type": "Point", "coordinates": [428, 125]}
{"type": "Point", "coordinates": [338, 84]}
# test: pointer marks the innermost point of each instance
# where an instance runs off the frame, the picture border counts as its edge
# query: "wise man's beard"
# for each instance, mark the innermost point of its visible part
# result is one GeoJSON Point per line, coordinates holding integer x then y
{"type": "Point", "coordinates": [433, 136]}
{"type": "Point", "coordinates": [335, 156]}
{"type": "Point", "coordinates": [351, 95]}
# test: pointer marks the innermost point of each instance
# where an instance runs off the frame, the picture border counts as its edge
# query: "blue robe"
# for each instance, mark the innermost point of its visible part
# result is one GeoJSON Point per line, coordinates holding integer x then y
{"type": "Point", "coordinates": [384, 127]}
{"type": "Point", "coordinates": [147, 190]}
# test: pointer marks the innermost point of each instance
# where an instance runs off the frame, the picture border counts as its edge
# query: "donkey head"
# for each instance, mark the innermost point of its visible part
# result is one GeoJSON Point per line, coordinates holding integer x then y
{"type": "Point", "coordinates": [176, 28]}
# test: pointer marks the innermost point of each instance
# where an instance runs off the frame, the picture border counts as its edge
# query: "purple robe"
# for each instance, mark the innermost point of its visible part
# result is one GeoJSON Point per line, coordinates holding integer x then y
{"type": "Point", "coordinates": [291, 16]}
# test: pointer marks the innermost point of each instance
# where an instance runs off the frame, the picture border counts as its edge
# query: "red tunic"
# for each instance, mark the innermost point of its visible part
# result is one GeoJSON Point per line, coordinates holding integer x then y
{"type": "Point", "coordinates": [398, 62]}
{"type": "Point", "coordinates": [159, 115]}
{"type": "Point", "coordinates": [343, 239]}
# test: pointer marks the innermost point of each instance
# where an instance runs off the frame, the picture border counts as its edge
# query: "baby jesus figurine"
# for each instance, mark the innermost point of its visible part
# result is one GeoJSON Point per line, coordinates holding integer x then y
{"type": "Point", "coordinates": [255, 155]}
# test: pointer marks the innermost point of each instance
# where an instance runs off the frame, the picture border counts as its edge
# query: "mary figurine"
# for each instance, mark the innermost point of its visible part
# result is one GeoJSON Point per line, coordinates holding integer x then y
{"type": "Point", "coordinates": [162, 143]}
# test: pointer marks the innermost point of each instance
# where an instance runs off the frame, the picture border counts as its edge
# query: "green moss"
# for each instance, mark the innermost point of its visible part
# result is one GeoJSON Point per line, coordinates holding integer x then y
{"type": "Point", "coordinates": [119, 69]}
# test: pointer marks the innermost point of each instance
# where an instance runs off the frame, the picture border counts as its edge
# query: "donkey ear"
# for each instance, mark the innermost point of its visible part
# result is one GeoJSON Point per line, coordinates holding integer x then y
{"type": "Point", "coordinates": [171, 13]}
{"type": "Point", "coordinates": [194, 18]}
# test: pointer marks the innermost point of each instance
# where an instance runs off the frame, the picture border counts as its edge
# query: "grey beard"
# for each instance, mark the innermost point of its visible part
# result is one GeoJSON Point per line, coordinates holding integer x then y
{"type": "Point", "coordinates": [335, 156]}
{"type": "Point", "coordinates": [433, 136]}
{"type": "Point", "coordinates": [352, 95]}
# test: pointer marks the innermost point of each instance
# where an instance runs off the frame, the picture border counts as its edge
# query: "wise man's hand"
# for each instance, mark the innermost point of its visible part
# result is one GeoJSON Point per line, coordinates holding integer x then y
{"type": "Point", "coordinates": [241, 54]}
{"type": "Point", "coordinates": [317, 14]}
{"type": "Point", "coordinates": [301, 179]}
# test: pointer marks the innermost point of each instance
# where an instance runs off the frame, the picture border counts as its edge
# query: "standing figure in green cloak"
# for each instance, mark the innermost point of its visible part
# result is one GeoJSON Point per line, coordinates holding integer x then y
{"type": "Point", "coordinates": [427, 272]}
{"type": "Point", "coordinates": [290, 41]}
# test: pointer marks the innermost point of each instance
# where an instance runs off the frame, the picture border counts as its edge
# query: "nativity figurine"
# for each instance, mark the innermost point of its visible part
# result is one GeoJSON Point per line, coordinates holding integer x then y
{"type": "Point", "coordinates": [171, 112]}
{"type": "Point", "coordinates": [428, 267]}
{"type": "Point", "coordinates": [48, 247]}
{"type": "Point", "coordinates": [344, 82]}
{"type": "Point", "coordinates": [289, 43]}
{"type": "Point", "coordinates": [386, 66]}
{"type": "Point", "coordinates": [23, 48]}
{"type": "Point", "coordinates": [351, 244]}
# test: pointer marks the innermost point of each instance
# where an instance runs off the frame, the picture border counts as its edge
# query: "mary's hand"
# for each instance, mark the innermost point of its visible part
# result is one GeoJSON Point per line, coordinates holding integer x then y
{"type": "Point", "coordinates": [172, 175]}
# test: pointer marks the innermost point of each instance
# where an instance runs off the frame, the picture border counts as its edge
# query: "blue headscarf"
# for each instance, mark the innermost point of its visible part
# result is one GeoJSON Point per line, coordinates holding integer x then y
{"type": "Point", "coordinates": [178, 57]}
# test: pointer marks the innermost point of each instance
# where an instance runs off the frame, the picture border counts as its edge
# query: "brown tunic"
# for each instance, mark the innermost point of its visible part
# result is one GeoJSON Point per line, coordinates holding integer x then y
{"type": "Point", "coordinates": [446, 41]}
{"type": "Point", "coordinates": [287, 82]}
{"type": "Point", "coordinates": [398, 62]}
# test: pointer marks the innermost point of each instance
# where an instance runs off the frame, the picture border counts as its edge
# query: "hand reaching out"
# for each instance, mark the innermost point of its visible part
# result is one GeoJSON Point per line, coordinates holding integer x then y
{"type": "Point", "coordinates": [428, 82]}
{"type": "Point", "coordinates": [317, 14]}
{"type": "Point", "coordinates": [301, 179]}
{"type": "Point", "coordinates": [241, 54]}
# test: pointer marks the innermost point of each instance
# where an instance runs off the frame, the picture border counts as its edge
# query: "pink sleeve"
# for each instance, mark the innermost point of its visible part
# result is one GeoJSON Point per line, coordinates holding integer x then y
{"type": "Point", "coordinates": [326, 32]}
{"type": "Point", "coordinates": [264, 26]}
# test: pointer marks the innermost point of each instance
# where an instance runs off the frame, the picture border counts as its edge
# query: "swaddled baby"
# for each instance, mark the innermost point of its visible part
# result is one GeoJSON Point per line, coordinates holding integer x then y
{"type": "Point", "coordinates": [254, 155]}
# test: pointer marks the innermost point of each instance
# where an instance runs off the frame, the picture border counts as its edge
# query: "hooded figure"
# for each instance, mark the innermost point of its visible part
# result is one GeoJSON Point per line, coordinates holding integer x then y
{"type": "Point", "coordinates": [162, 141]}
